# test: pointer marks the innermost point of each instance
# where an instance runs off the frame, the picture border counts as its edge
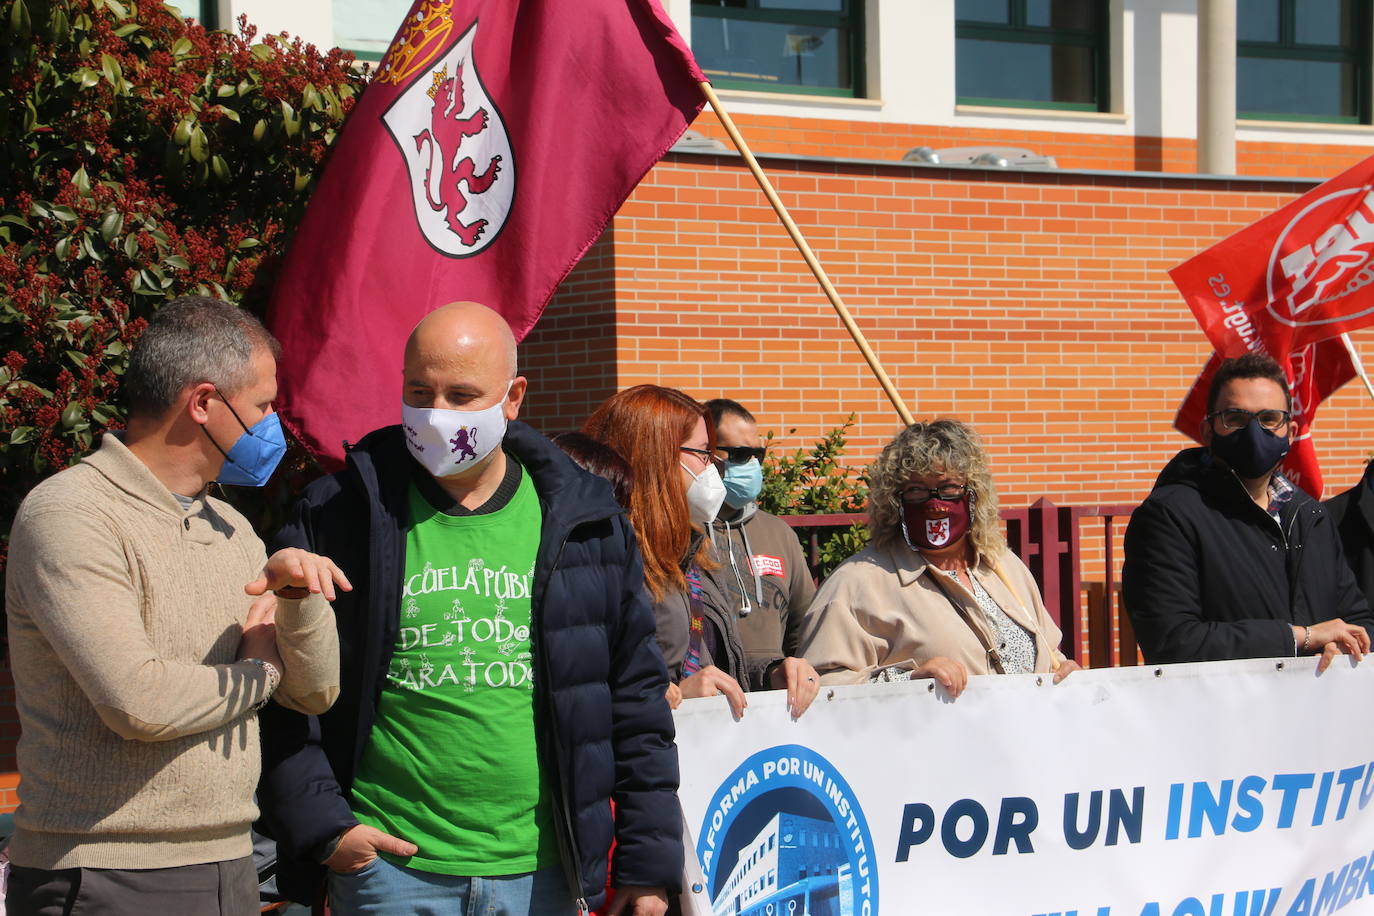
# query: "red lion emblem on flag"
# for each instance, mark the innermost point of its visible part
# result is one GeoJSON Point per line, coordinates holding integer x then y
{"type": "Point", "coordinates": [446, 133]}
{"type": "Point", "coordinates": [457, 152]}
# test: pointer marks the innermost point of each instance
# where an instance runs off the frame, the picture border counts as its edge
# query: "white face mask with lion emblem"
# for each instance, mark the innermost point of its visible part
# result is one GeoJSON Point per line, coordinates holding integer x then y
{"type": "Point", "coordinates": [447, 441]}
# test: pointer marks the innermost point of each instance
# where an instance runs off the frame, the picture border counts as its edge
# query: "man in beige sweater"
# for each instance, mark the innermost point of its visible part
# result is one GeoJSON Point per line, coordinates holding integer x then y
{"type": "Point", "coordinates": [147, 626]}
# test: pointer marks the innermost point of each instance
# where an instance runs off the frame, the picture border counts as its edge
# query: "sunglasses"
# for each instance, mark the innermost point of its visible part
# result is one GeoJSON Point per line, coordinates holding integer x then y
{"type": "Point", "coordinates": [739, 454]}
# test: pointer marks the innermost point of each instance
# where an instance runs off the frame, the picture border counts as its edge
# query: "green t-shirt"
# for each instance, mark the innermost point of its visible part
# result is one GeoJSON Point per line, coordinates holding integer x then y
{"type": "Point", "coordinates": [451, 763]}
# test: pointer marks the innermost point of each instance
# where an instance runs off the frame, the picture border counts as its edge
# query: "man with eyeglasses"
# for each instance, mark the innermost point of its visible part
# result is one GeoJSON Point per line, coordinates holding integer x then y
{"type": "Point", "coordinates": [1226, 558]}
{"type": "Point", "coordinates": [762, 571]}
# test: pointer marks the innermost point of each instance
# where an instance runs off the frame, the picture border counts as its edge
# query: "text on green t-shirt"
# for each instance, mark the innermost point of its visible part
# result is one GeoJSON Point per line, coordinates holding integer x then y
{"type": "Point", "coordinates": [451, 764]}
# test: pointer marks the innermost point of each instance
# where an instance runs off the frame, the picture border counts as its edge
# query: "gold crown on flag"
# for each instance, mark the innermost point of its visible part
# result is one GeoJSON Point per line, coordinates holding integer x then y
{"type": "Point", "coordinates": [423, 37]}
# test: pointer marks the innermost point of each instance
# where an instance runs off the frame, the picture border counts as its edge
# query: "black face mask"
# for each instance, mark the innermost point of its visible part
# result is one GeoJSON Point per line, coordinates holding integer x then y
{"type": "Point", "coordinates": [1251, 452]}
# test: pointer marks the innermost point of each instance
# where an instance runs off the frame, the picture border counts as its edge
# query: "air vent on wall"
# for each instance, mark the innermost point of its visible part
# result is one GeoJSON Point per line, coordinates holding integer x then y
{"type": "Point", "coordinates": [993, 157]}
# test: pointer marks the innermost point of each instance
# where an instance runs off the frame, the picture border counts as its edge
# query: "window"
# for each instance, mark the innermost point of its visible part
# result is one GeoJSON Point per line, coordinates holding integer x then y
{"type": "Point", "coordinates": [1031, 53]}
{"type": "Point", "coordinates": [1305, 61]}
{"type": "Point", "coordinates": [202, 11]}
{"type": "Point", "coordinates": [366, 27]}
{"type": "Point", "coordinates": [804, 46]}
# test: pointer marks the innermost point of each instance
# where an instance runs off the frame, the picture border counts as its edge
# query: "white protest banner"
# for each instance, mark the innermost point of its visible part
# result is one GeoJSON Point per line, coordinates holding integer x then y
{"type": "Point", "coordinates": [1222, 789]}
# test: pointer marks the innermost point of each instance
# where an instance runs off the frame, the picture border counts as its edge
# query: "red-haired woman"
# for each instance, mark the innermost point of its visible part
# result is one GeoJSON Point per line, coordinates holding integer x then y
{"type": "Point", "coordinates": [664, 436]}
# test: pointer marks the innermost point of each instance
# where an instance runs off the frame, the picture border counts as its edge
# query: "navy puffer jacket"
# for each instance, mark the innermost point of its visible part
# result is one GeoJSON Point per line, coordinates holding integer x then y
{"type": "Point", "coordinates": [604, 727]}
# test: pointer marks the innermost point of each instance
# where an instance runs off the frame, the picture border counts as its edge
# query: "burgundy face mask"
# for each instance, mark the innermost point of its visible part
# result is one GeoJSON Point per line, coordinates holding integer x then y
{"type": "Point", "coordinates": [935, 523]}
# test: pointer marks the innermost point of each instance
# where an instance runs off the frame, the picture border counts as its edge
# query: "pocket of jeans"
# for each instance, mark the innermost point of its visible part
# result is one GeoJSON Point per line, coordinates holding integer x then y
{"type": "Point", "coordinates": [367, 866]}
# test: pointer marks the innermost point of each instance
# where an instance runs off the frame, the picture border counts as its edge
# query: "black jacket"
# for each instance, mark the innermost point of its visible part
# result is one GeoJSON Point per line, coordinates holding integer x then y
{"type": "Point", "coordinates": [1210, 575]}
{"type": "Point", "coordinates": [1352, 512]}
{"type": "Point", "coordinates": [604, 728]}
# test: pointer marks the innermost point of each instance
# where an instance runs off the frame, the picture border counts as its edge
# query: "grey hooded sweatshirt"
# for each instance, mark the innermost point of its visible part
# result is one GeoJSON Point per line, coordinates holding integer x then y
{"type": "Point", "coordinates": [763, 576]}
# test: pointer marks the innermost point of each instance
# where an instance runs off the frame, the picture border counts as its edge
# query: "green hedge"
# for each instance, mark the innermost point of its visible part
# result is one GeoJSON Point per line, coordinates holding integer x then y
{"type": "Point", "coordinates": [814, 481]}
{"type": "Point", "coordinates": [141, 157]}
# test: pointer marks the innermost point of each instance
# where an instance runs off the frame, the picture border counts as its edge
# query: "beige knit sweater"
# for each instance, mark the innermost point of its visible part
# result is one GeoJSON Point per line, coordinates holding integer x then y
{"type": "Point", "coordinates": [139, 747]}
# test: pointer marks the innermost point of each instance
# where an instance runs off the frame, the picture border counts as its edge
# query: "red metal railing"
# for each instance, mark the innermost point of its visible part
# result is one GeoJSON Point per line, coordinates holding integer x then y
{"type": "Point", "coordinates": [1105, 617]}
{"type": "Point", "coordinates": [1050, 540]}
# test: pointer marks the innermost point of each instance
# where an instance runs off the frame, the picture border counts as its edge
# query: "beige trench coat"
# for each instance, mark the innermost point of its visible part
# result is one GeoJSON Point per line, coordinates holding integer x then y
{"type": "Point", "coordinates": [885, 606]}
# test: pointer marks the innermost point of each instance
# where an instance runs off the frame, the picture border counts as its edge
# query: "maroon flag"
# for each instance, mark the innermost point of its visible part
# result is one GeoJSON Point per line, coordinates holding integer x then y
{"type": "Point", "coordinates": [1313, 374]}
{"type": "Point", "coordinates": [1298, 276]}
{"type": "Point", "coordinates": [495, 143]}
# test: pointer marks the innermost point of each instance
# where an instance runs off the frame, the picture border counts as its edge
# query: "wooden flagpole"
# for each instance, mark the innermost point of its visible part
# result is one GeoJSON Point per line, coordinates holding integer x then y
{"type": "Point", "coordinates": [797, 239]}
{"type": "Point", "coordinates": [1358, 363]}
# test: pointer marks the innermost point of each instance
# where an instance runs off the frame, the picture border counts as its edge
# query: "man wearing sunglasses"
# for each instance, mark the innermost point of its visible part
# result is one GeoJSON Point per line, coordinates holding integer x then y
{"type": "Point", "coordinates": [1227, 558]}
{"type": "Point", "coordinates": [762, 571]}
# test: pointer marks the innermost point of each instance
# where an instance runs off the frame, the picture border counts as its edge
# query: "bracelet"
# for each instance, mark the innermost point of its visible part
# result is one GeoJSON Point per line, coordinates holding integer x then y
{"type": "Point", "coordinates": [1306, 638]}
{"type": "Point", "coordinates": [273, 679]}
{"type": "Point", "coordinates": [292, 592]}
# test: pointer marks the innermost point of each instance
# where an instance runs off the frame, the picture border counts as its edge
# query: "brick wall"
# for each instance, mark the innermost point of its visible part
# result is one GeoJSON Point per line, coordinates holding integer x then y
{"type": "Point", "coordinates": [569, 357]}
{"type": "Point", "coordinates": [1035, 305]}
{"type": "Point", "coordinates": [881, 141]}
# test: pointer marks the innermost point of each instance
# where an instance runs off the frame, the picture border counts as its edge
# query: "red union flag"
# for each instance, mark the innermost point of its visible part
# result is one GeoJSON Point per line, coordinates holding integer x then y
{"type": "Point", "coordinates": [1298, 276]}
{"type": "Point", "coordinates": [1313, 374]}
{"type": "Point", "coordinates": [494, 144]}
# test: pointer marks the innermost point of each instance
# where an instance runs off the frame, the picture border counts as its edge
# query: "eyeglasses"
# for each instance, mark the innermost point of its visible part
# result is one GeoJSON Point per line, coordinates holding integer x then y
{"type": "Point", "coordinates": [739, 454]}
{"type": "Point", "coordinates": [703, 454]}
{"type": "Point", "coordinates": [1235, 418]}
{"type": "Point", "coordinates": [946, 491]}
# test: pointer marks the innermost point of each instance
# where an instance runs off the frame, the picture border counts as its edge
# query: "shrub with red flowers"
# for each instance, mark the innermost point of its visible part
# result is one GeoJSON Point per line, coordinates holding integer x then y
{"type": "Point", "coordinates": [141, 157]}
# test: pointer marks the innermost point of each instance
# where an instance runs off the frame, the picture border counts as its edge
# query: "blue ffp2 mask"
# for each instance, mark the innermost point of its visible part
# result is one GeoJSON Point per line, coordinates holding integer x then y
{"type": "Point", "coordinates": [255, 454]}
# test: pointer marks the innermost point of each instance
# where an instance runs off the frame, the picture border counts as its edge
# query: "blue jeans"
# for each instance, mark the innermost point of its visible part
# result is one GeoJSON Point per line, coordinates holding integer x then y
{"type": "Point", "coordinates": [380, 888]}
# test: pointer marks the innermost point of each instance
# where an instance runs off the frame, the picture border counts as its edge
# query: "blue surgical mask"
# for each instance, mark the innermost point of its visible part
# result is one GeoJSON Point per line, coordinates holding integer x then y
{"type": "Point", "coordinates": [255, 454]}
{"type": "Point", "coordinates": [743, 483]}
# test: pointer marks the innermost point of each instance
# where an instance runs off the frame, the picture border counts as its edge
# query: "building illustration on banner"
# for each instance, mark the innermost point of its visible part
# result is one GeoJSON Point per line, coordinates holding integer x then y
{"type": "Point", "coordinates": [795, 864]}
{"type": "Point", "coordinates": [785, 836]}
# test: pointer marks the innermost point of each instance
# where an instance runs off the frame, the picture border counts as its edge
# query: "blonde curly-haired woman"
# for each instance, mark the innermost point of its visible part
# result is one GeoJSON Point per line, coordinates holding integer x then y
{"type": "Point", "coordinates": [937, 593]}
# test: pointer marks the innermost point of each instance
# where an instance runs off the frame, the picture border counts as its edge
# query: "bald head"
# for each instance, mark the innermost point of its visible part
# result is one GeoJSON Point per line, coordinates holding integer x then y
{"type": "Point", "coordinates": [461, 356]}
{"type": "Point", "coordinates": [463, 332]}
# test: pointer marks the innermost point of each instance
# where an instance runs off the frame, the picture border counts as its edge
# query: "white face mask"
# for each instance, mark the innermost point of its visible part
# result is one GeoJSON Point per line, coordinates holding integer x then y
{"type": "Point", "coordinates": [448, 441]}
{"type": "Point", "coordinates": [704, 496]}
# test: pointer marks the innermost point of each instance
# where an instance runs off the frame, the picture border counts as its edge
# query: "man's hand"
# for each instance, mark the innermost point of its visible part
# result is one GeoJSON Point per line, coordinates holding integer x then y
{"type": "Point", "coordinates": [709, 682]}
{"type": "Point", "coordinates": [260, 633]}
{"type": "Point", "coordinates": [801, 681]}
{"type": "Point", "coordinates": [360, 845]}
{"type": "Point", "coordinates": [1336, 637]}
{"type": "Point", "coordinates": [1066, 667]}
{"type": "Point", "coordinates": [674, 696]}
{"type": "Point", "coordinates": [952, 675]}
{"type": "Point", "coordinates": [292, 567]}
{"type": "Point", "coordinates": [639, 901]}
